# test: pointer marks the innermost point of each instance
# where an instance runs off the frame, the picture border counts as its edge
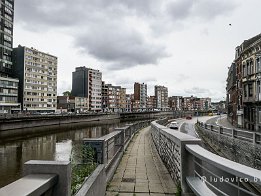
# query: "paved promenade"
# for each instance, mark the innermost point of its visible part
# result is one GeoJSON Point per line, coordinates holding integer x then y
{"type": "Point", "coordinates": [141, 171]}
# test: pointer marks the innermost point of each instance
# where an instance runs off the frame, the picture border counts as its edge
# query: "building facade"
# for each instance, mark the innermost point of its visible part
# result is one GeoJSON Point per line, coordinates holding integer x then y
{"type": "Point", "coordinates": [37, 73]}
{"type": "Point", "coordinates": [161, 95]}
{"type": "Point", "coordinates": [87, 82]}
{"type": "Point", "coordinates": [8, 81]}
{"type": "Point", "coordinates": [140, 95]}
{"type": "Point", "coordinates": [128, 103]}
{"type": "Point", "coordinates": [151, 103]}
{"type": "Point", "coordinates": [113, 98]}
{"type": "Point", "coordinates": [175, 102]}
{"type": "Point", "coordinates": [232, 94]}
{"type": "Point", "coordinates": [72, 104]}
{"type": "Point", "coordinates": [247, 106]}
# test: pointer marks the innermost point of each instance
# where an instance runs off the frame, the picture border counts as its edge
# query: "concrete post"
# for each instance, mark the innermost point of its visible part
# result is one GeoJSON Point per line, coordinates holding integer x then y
{"type": "Point", "coordinates": [233, 133]}
{"type": "Point", "coordinates": [220, 130]}
{"type": "Point", "coordinates": [254, 138]}
{"type": "Point", "coordinates": [61, 168]}
{"type": "Point", "coordinates": [99, 148]}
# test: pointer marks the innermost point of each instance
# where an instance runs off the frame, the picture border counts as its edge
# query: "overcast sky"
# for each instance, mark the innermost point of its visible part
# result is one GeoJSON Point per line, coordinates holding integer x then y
{"type": "Point", "coordinates": [185, 45]}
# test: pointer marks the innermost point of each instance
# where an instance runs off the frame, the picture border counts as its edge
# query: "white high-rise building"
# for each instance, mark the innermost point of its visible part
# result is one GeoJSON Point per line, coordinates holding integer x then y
{"type": "Point", "coordinates": [37, 72]}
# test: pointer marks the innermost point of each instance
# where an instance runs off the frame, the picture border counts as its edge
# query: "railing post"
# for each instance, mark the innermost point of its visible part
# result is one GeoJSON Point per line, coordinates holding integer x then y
{"type": "Point", "coordinates": [233, 133]}
{"type": "Point", "coordinates": [220, 130]}
{"type": "Point", "coordinates": [99, 148]}
{"type": "Point", "coordinates": [61, 168]}
{"type": "Point", "coordinates": [254, 138]}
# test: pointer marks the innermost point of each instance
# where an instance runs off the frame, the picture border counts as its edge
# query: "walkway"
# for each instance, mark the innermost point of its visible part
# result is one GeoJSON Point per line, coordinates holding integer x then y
{"type": "Point", "coordinates": [141, 171]}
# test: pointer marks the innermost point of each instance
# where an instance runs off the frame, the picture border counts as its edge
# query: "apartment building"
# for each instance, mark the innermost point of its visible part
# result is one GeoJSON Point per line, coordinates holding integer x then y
{"type": "Point", "coordinates": [87, 82]}
{"type": "Point", "coordinates": [151, 103]}
{"type": "Point", "coordinates": [114, 98]}
{"type": "Point", "coordinates": [37, 73]}
{"type": "Point", "coordinates": [161, 94]}
{"type": "Point", "coordinates": [72, 104]}
{"type": "Point", "coordinates": [123, 101]}
{"type": "Point", "coordinates": [8, 80]}
{"type": "Point", "coordinates": [175, 102]}
{"type": "Point", "coordinates": [247, 91]}
{"type": "Point", "coordinates": [128, 103]}
{"type": "Point", "coordinates": [140, 95]}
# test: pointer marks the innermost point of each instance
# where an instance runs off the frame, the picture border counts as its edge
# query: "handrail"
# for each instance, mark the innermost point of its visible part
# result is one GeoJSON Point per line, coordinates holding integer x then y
{"type": "Point", "coordinates": [33, 184]}
{"type": "Point", "coordinates": [239, 170]}
{"type": "Point", "coordinates": [244, 135]}
{"type": "Point", "coordinates": [191, 165]}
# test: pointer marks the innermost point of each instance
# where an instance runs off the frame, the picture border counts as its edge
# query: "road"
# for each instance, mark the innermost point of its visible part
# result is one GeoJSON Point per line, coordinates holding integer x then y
{"type": "Point", "coordinates": [188, 126]}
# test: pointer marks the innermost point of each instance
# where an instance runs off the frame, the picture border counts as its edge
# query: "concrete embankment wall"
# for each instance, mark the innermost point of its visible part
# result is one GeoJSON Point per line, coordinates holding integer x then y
{"type": "Point", "coordinates": [20, 127]}
{"type": "Point", "coordinates": [234, 149]}
{"type": "Point", "coordinates": [12, 129]}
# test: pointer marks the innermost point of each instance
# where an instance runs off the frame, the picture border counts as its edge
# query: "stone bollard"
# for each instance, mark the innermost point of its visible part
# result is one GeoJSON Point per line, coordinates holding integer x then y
{"type": "Point", "coordinates": [61, 168]}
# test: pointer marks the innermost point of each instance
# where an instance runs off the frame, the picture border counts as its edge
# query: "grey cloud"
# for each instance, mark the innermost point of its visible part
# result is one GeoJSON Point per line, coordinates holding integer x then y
{"type": "Point", "coordinates": [182, 10]}
{"type": "Point", "coordinates": [207, 10]}
{"type": "Point", "coordinates": [98, 28]}
{"type": "Point", "coordinates": [119, 49]}
{"type": "Point", "coordinates": [198, 91]}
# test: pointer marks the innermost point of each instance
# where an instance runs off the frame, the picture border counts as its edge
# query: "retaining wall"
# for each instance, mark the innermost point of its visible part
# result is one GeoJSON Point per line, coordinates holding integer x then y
{"type": "Point", "coordinates": [234, 149]}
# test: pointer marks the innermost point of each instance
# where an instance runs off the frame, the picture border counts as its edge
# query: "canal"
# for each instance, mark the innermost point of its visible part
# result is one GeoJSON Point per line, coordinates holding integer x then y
{"type": "Point", "coordinates": [53, 146]}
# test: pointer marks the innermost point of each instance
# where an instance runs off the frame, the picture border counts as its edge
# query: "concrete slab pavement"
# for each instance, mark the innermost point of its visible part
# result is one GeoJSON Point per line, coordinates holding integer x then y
{"type": "Point", "coordinates": [141, 171]}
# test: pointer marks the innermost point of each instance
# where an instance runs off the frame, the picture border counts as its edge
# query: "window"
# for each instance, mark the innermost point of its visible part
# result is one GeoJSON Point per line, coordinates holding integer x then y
{"type": "Point", "coordinates": [258, 66]}
{"type": "Point", "coordinates": [250, 88]}
{"type": "Point", "coordinates": [245, 90]}
{"type": "Point", "coordinates": [244, 70]}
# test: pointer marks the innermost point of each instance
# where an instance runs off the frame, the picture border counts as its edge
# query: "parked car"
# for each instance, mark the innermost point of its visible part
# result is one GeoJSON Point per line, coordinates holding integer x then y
{"type": "Point", "coordinates": [174, 125]}
{"type": "Point", "coordinates": [188, 117]}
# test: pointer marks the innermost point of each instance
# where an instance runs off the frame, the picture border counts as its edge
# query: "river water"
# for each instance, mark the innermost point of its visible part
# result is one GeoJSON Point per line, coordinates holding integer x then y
{"type": "Point", "coordinates": [56, 146]}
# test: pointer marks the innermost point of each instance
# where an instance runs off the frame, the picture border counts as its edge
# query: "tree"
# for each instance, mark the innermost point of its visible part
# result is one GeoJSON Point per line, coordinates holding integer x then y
{"type": "Point", "coordinates": [67, 93]}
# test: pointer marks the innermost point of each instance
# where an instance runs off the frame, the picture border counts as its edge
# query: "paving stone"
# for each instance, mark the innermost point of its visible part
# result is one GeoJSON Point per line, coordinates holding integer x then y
{"type": "Point", "coordinates": [142, 187]}
{"type": "Point", "coordinates": [112, 193]}
{"type": "Point", "coordinates": [156, 188]}
{"type": "Point", "coordinates": [127, 187]}
{"type": "Point", "coordinates": [141, 172]}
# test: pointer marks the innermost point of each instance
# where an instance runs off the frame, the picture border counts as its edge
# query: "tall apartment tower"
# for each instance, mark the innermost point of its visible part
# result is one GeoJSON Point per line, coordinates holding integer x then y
{"type": "Point", "coordinates": [87, 82]}
{"type": "Point", "coordinates": [140, 94]}
{"type": "Point", "coordinates": [161, 95]}
{"type": "Point", "coordinates": [8, 84]}
{"type": "Point", "coordinates": [37, 72]}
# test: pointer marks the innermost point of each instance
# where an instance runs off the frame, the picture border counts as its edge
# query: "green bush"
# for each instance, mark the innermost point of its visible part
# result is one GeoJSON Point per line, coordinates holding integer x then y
{"type": "Point", "coordinates": [82, 159]}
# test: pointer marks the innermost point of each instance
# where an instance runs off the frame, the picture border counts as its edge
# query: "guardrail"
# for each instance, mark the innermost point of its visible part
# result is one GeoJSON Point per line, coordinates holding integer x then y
{"type": "Point", "coordinates": [244, 135]}
{"type": "Point", "coordinates": [198, 170]}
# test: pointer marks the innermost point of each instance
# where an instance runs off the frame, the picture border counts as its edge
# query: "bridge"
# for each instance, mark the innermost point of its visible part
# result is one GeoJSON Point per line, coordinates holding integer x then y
{"type": "Point", "coordinates": [145, 158]}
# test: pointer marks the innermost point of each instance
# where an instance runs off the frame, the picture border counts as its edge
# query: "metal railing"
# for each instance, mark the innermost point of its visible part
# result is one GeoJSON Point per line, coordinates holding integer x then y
{"type": "Point", "coordinates": [244, 135]}
{"type": "Point", "coordinates": [199, 170]}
